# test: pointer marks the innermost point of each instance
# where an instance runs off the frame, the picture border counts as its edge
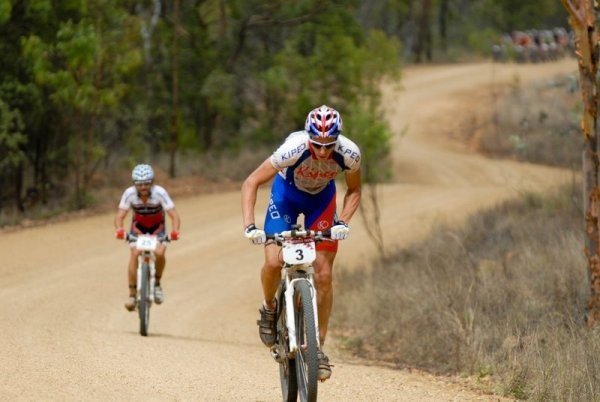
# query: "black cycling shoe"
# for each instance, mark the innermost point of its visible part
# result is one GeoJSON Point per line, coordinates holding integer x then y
{"type": "Point", "coordinates": [267, 327]}
{"type": "Point", "coordinates": [324, 366]}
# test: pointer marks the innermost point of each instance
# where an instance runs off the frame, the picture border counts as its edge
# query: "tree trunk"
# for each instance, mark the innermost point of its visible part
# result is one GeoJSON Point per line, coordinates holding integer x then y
{"type": "Point", "coordinates": [19, 172]}
{"type": "Point", "coordinates": [174, 142]}
{"type": "Point", "coordinates": [582, 18]}
{"type": "Point", "coordinates": [443, 19]}
{"type": "Point", "coordinates": [423, 42]}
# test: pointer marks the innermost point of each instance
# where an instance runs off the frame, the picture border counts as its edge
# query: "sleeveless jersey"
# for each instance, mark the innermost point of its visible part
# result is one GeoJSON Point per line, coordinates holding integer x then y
{"type": "Point", "coordinates": [297, 163]}
{"type": "Point", "coordinates": [152, 212]}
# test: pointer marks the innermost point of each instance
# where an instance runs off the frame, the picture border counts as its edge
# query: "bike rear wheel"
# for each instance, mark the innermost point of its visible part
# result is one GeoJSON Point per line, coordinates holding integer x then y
{"type": "Point", "coordinates": [287, 367]}
{"type": "Point", "coordinates": [307, 365]}
{"type": "Point", "coordinates": [144, 304]}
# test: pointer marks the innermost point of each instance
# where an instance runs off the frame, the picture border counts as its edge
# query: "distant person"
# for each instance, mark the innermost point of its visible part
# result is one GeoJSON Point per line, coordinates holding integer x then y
{"type": "Point", "coordinates": [304, 168]}
{"type": "Point", "coordinates": [149, 202]}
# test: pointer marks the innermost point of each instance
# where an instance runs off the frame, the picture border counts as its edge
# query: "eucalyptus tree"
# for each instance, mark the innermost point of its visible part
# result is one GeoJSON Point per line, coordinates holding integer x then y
{"type": "Point", "coordinates": [12, 142]}
{"type": "Point", "coordinates": [253, 68]}
{"type": "Point", "coordinates": [83, 71]}
{"type": "Point", "coordinates": [584, 20]}
{"type": "Point", "coordinates": [100, 83]}
{"type": "Point", "coordinates": [26, 102]}
{"type": "Point", "coordinates": [425, 26]}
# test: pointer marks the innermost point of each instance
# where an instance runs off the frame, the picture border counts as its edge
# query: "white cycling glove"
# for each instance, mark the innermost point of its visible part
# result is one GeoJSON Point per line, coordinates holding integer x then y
{"type": "Point", "coordinates": [255, 235]}
{"type": "Point", "coordinates": [340, 231]}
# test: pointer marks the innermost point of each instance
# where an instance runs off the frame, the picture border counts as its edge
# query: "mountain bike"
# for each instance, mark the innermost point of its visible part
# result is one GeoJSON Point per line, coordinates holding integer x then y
{"type": "Point", "coordinates": [297, 321]}
{"type": "Point", "coordinates": [146, 271]}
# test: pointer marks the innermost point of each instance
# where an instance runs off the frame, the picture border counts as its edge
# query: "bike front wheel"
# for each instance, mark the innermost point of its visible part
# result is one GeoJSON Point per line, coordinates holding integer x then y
{"type": "Point", "coordinates": [144, 303]}
{"type": "Point", "coordinates": [287, 366]}
{"type": "Point", "coordinates": [307, 365]}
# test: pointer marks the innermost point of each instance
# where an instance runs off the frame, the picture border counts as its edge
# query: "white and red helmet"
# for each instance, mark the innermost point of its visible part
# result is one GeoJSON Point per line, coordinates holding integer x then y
{"type": "Point", "coordinates": [323, 122]}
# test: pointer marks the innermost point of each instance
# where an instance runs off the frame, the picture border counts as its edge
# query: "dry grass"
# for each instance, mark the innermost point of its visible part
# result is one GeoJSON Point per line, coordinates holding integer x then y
{"type": "Point", "coordinates": [538, 123]}
{"type": "Point", "coordinates": [499, 299]}
{"type": "Point", "coordinates": [502, 299]}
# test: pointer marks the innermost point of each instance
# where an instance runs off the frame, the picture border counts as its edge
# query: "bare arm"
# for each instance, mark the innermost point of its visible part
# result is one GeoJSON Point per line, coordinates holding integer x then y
{"type": "Point", "coordinates": [120, 218]}
{"type": "Point", "coordinates": [260, 176]}
{"type": "Point", "coordinates": [352, 197]}
{"type": "Point", "coordinates": [175, 221]}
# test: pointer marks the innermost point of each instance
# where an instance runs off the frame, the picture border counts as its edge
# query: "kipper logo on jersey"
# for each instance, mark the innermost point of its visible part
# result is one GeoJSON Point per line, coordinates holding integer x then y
{"type": "Point", "coordinates": [307, 172]}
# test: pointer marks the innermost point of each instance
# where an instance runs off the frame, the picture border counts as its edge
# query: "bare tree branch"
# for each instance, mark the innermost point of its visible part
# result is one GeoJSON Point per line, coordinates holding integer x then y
{"type": "Point", "coordinates": [580, 11]}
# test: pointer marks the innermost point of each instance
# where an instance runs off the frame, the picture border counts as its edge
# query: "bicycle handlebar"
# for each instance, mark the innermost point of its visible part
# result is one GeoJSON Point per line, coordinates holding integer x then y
{"type": "Point", "coordinates": [131, 237]}
{"type": "Point", "coordinates": [295, 233]}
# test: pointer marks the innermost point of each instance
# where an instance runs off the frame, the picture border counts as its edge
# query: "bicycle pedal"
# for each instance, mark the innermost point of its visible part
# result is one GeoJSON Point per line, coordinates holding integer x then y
{"type": "Point", "coordinates": [275, 354]}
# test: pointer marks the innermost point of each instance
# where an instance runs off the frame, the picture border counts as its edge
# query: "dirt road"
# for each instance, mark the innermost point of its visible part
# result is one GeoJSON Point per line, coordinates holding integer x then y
{"type": "Point", "coordinates": [65, 333]}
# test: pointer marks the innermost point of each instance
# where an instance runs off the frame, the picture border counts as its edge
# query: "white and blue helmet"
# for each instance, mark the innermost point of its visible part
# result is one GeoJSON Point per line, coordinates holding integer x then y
{"type": "Point", "coordinates": [323, 122]}
{"type": "Point", "coordinates": [142, 173]}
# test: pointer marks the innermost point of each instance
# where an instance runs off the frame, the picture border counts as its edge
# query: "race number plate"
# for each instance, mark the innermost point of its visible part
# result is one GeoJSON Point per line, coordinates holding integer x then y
{"type": "Point", "coordinates": [299, 252]}
{"type": "Point", "coordinates": [148, 243]}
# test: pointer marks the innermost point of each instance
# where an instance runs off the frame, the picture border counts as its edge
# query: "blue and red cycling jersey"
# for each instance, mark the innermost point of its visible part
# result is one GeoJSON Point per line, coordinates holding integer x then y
{"type": "Point", "coordinates": [306, 185]}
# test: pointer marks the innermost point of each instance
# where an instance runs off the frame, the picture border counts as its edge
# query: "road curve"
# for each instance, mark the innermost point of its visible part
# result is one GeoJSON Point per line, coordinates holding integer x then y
{"type": "Point", "coordinates": [66, 335]}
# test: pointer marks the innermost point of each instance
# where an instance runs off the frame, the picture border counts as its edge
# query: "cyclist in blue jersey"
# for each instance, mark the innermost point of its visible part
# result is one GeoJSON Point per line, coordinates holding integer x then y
{"type": "Point", "coordinates": [304, 169]}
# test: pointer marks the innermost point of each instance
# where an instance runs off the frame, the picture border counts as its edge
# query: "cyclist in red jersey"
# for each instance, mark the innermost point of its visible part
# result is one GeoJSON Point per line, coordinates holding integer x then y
{"type": "Point", "coordinates": [149, 202]}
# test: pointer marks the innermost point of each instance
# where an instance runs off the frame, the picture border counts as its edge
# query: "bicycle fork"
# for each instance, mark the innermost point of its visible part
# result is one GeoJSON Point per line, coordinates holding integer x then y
{"type": "Point", "coordinates": [291, 319]}
{"type": "Point", "coordinates": [145, 259]}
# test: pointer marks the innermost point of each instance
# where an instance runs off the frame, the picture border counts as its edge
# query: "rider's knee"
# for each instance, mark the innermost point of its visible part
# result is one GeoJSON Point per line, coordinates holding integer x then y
{"type": "Point", "coordinates": [324, 277]}
{"type": "Point", "coordinates": [272, 259]}
{"type": "Point", "coordinates": [272, 262]}
{"type": "Point", "coordinates": [272, 265]}
{"type": "Point", "coordinates": [324, 282]}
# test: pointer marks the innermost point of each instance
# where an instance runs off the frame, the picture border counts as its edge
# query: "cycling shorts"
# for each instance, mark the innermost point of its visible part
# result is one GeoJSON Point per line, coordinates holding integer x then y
{"type": "Point", "coordinates": [138, 228]}
{"type": "Point", "coordinates": [157, 230]}
{"type": "Point", "coordinates": [287, 203]}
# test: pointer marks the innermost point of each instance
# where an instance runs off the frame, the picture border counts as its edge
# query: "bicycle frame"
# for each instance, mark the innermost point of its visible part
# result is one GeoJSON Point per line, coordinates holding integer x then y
{"type": "Point", "coordinates": [149, 258]}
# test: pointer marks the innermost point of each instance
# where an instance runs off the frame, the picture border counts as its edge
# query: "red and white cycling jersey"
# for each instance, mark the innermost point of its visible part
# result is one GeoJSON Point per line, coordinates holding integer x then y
{"type": "Point", "coordinates": [149, 214]}
{"type": "Point", "coordinates": [297, 163]}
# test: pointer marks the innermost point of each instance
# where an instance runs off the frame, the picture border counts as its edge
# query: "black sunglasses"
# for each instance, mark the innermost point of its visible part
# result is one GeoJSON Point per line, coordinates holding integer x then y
{"type": "Point", "coordinates": [318, 145]}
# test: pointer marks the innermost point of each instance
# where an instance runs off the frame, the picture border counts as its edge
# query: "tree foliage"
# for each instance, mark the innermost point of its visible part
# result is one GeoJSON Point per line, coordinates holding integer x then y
{"type": "Point", "coordinates": [12, 138]}
{"type": "Point", "coordinates": [85, 86]}
{"type": "Point", "coordinates": [447, 27]}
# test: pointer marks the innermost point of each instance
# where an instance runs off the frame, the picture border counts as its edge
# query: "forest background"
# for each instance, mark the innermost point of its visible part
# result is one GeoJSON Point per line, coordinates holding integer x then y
{"type": "Point", "coordinates": [90, 88]}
